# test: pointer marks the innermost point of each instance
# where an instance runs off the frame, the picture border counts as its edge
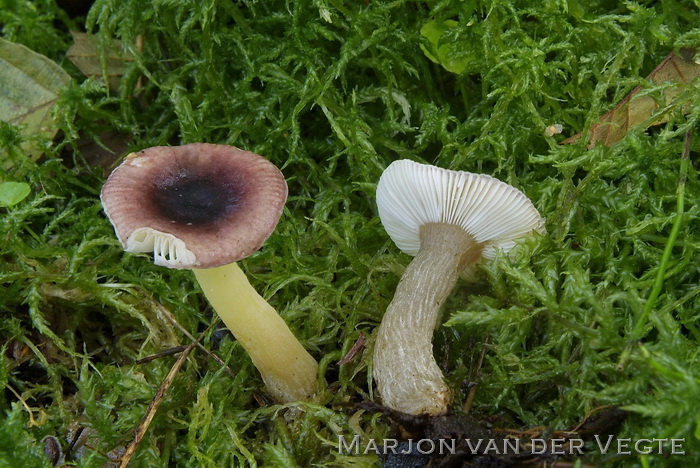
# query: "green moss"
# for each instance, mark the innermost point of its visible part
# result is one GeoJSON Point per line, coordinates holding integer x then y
{"type": "Point", "coordinates": [332, 92]}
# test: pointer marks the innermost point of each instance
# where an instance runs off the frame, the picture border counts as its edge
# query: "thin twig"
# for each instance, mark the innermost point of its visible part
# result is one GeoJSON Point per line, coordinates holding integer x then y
{"type": "Point", "coordinates": [472, 391]}
{"type": "Point", "coordinates": [359, 344]}
{"type": "Point", "coordinates": [169, 315]}
{"type": "Point", "coordinates": [167, 352]}
{"type": "Point", "coordinates": [140, 431]}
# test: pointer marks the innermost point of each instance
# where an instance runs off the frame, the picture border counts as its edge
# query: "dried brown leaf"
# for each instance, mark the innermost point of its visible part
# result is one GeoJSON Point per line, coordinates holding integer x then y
{"type": "Point", "coordinates": [29, 86]}
{"type": "Point", "coordinates": [637, 109]}
{"type": "Point", "coordinates": [84, 53]}
{"type": "Point", "coordinates": [104, 150]}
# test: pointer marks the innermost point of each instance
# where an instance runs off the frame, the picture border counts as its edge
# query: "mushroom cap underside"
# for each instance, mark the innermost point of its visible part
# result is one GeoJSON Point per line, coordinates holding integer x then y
{"type": "Point", "coordinates": [195, 206]}
{"type": "Point", "coordinates": [410, 194]}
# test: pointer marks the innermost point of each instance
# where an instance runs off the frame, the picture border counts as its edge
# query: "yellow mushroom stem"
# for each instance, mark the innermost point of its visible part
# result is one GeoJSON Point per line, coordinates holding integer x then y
{"type": "Point", "coordinates": [408, 378]}
{"type": "Point", "coordinates": [288, 370]}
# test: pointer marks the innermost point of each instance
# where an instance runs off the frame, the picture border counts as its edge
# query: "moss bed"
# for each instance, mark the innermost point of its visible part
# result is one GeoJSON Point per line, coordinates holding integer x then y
{"type": "Point", "coordinates": [590, 316]}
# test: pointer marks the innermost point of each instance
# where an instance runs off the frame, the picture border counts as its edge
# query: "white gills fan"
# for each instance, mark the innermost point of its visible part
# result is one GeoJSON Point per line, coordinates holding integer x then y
{"type": "Point", "coordinates": [450, 221]}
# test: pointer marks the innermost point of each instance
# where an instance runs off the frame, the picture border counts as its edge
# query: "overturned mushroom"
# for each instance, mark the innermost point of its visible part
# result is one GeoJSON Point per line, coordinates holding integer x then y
{"type": "Point", "coordinates": [204, 207]}
{"type": "Point", "coordinates": [449, 221]}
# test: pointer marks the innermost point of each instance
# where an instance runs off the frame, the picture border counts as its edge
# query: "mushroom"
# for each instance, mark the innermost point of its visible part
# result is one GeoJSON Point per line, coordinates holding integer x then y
{"type": "Point", "coordinates": [449, 220]}
{"type": "Point", "coordinates": [204, 207]}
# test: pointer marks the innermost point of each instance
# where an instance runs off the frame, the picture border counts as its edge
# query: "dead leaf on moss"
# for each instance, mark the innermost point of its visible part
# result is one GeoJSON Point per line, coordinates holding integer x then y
{"type": "Point", "coordinates": [636, 109]}
{"type": "Point", "coordinates": [103, 150]}
{"type": "Point", "coordinates": [84, 53]}
{"type": "Point", "coordinates": [29, 87]}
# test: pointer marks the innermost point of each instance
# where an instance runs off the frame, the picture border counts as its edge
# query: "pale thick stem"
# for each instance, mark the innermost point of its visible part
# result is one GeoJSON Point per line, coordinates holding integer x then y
{"type": "Point", "coordinates": [408, 378]}
{"type": "Point", "coordinates": [287, 368]}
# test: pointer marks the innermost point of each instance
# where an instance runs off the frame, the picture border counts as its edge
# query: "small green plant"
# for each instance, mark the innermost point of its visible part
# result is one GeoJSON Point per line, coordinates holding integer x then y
{"type": "Point", "coordinates": [12, 193]}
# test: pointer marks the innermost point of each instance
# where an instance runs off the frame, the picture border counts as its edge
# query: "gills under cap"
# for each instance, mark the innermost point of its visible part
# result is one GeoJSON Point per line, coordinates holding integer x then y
{"type": "Point", "coordinates": [194, 206]}
{"type": "Point", "coordinates": [410, 194]}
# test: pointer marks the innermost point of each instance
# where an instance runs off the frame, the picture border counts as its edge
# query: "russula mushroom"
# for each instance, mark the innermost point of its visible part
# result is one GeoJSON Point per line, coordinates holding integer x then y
{"type": "Point", "coordinates": [204, 207]}
{"type": "Point", "coordinates": [448, 220]}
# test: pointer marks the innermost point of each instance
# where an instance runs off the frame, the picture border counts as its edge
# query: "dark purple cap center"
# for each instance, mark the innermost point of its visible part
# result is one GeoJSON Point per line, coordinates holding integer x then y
{"type": "Point", "coordinates": [196, 199]}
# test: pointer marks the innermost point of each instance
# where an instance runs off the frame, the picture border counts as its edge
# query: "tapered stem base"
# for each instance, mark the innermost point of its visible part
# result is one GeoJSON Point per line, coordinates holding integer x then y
{"type": "Point", "coordinates": [408, 378]}
{"type": "Point", "coordinates": [287, 368]}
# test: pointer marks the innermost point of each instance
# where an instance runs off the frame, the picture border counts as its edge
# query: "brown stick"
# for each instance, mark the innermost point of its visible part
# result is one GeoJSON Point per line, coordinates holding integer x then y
{"type": "Point", "coordinates": [169, 315]}
{"type": "Point", "coordinates": [166, 352]}
{"type": "Point", "coordinates": [141, 429]}
{"type": "Point", "coordinates": [359, 344]}
{"type": "Point", "coordinates": [472, 391]}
